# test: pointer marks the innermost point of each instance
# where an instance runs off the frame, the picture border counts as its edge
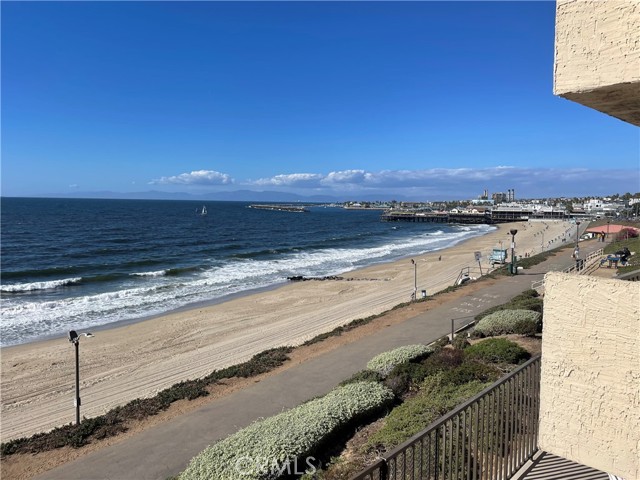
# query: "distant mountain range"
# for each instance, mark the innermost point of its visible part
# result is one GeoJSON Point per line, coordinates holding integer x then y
{"type": "Point", "coordinates": [238, 195]}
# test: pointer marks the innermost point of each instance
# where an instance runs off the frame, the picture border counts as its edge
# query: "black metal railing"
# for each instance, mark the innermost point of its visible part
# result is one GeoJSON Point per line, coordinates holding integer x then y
{"type": "Point", "coordinates": [489, 437]}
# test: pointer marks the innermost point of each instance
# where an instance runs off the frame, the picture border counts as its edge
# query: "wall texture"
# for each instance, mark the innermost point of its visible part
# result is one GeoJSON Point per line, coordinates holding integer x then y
{"type": "Point", "coordinates": [590, 387]}
{"type": "Point", "coordinates": [597, 55]}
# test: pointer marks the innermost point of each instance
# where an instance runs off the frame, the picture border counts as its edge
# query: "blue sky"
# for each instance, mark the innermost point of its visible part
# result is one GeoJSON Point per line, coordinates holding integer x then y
{"type": "Point", "coordinates": [428, 100]}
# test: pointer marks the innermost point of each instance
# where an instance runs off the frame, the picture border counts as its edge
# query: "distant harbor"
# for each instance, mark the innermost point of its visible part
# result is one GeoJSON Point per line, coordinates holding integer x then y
{"type": "Point", "coordinates": [281, 208]}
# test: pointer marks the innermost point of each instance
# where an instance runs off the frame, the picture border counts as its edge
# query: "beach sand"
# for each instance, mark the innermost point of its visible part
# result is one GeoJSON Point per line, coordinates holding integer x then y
{"type": "Point", "coordinates": [140, 359]}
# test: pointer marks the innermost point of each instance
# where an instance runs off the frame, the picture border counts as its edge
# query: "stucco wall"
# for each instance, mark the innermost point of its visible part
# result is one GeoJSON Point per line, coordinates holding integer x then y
{"type": "Point", "coordinates": [597, 55]}
{"type": "Point", "coordinates": [590, 386]}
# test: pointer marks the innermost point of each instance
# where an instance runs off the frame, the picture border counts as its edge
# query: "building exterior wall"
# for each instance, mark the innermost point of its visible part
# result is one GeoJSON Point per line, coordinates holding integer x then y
{"type": "Point", "coordinates": [597, 55]}
{"type": "Point", "coordinates": [590, 382]}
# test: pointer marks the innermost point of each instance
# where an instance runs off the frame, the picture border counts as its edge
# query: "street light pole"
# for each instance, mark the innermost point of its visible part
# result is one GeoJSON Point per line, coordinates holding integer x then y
{"type": "Point", "coordinates": [77, 399]}
{"type": "Point", "coordinates": [415, 279]}
{"type": "Point", "coordinates": [514, 268]}
{"type": "Point", "coordinates": [74, 338]}
{"type": "Point", "coordinates": [577, 250]}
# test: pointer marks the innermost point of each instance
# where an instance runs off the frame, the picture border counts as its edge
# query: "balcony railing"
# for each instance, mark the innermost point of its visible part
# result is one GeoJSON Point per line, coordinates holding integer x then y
{"type": "Point", "coordinates": [489, 437]}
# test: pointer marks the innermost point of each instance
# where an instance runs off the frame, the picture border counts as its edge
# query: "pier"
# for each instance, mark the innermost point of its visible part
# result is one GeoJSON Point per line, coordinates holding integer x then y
{"type": "Point", "coordinates": [497, 215]}
{"type": "Point", "coordinates": [438, 217]}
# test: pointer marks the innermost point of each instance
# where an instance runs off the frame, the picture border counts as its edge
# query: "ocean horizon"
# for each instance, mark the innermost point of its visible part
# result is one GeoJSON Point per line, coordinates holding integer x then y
{"type": "Point", "coordinates": [86, 263]}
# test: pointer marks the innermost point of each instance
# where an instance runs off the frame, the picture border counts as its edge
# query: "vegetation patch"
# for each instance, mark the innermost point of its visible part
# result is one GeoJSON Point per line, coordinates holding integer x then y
{"type": "Point", "coordinates": [443, 359]}
{"type": "Point", "coordinates": [471, 371]}
{"type": "Point", "coordinates": [504, 322]}
{"type": "Point", "coordinates": [387, 361]}
{"type": "Point", "coordinates": [363, 376]}
{"type": "Point", "coordinates": [266, 448]}
{"type": "Point", "coordinates": [460, 341]}
{"type": "Point", "coordinates": [405, 378]}
{"type": "Point", "coordinates": [436, 397]}
{"type": "Point", "coordinates": [498, 351]}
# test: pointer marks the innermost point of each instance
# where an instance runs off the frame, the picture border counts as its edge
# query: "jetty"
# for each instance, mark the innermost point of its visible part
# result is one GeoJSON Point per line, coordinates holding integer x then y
{"type": "Point", "coordinates": [281, 208]}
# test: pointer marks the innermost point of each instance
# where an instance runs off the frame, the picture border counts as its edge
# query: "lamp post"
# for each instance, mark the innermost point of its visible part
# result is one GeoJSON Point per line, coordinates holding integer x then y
{"type": "Point", "coordinates": [514, 268]}
{"type": "Point", "coordinates": [74, 338]}
{"type": "Point", "coordinates": [608, 222]}
{"type": "Point", "coordinates": [577, 250]}
{"type": "Point", "coordinates": [415, 279]}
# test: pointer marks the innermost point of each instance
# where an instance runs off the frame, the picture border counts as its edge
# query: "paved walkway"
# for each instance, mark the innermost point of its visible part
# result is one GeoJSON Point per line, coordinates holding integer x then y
{"type": "Point", "coordinates": [166, 449]}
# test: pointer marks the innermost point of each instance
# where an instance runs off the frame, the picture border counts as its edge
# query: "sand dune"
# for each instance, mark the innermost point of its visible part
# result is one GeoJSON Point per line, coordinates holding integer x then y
{"type": "Point", "coordinates": [140, 359]}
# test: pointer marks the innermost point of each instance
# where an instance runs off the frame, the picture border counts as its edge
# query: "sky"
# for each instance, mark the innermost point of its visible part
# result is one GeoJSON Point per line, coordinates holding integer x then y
{"type": "Point", "coordinates": [417, 100]}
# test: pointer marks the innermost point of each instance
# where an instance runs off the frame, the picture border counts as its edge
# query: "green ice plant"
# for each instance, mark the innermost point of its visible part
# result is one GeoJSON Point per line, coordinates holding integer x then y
{"type": "Point", "coordinates": [385, 362]}
{"type": "Point", "coordinates": [502, 322]}
{"type": "Point", "coordinates": [267, 448]}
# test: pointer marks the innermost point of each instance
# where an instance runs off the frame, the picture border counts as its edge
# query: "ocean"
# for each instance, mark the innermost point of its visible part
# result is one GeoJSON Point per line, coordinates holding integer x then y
{"type": "Point", "coordinates": [75, 264]}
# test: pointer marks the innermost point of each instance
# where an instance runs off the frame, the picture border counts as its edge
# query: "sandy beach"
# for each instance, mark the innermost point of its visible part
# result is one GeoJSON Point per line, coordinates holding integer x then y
{"type": "Point", "coordinates": [142, 358]}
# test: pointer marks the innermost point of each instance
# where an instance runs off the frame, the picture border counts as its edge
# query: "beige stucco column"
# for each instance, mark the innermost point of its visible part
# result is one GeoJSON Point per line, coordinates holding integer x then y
{"type": "Point", "coordinates": [590, 382]}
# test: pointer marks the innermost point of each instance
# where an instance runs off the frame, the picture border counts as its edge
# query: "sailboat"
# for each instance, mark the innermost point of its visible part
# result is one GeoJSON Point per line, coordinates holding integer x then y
{"type": "Point", "coordinates": [204, 210]}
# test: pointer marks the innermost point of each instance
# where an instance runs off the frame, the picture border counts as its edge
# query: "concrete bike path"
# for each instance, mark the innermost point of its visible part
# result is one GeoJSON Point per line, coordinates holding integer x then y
{"type": "Point", "coordinates": [165, 449]}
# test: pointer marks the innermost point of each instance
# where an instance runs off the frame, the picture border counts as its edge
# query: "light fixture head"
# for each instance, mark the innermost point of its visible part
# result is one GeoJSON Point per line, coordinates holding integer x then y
{"type": "Point", "coordinates": [513, 231]}
{"type": "Point", "coordinates": [73, 336]}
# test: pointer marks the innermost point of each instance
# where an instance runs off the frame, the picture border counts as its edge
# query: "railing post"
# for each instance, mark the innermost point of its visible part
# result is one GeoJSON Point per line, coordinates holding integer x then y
{"type": "Point", "coordinates": [384, 470]}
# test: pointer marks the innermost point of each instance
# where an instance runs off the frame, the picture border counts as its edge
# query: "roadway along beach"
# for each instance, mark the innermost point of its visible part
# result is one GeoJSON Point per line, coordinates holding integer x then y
{"type": "Point", "coordinates": [140, 359]}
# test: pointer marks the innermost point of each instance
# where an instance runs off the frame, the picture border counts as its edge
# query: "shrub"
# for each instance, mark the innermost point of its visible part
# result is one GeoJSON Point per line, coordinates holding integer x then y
{"type": "Point", "coordinates": [498, 351]}
{"type": "Point", "coordinates": [471, 371]}
{"type": "Point", "coordinates": [441, 342]}
{"type": "Point", "coordinates": [265, 447]}
{"type": "Point", "coordinates": [523, 322]}
{"type": "Point", "coordinates": [530, 293]}
{"type": "Point", "coordinates": [385, 362]}
{"type": "Point", "coordinates": [460, 341]}
{"type": "Point", "coordinates": [435, 399]}
{"type": "Point", "coordinates": [626, 233]}
{"type": "Point", "coordinates": [363, 376]}
{"type": "Point", "coordinates": [405, 376]}
{"type": "Point", "coordinates": [260, 363]}
{"type": "Point", "coordinates": [443, 359]}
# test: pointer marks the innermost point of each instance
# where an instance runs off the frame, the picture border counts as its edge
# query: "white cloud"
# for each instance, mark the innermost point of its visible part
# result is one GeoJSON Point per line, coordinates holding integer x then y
{"type": "Point", "coordinates": [347, 176]}
{"type": "Point", "coordinates": [292, 179]}
{"type": "Point", "coordinates": [197, 177]}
